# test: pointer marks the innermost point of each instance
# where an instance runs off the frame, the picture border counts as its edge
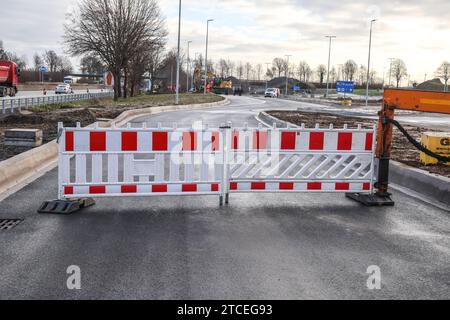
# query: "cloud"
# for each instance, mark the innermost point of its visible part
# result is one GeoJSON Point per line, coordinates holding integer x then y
{"type": "Point", "coordinates": [259, 30]}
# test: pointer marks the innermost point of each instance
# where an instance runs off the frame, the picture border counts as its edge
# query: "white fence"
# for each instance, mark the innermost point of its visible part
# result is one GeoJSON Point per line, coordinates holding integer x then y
{"type": "Point", "coordinates": [11, 104]}
{"type": "Point", "coordinates": [99, 162]}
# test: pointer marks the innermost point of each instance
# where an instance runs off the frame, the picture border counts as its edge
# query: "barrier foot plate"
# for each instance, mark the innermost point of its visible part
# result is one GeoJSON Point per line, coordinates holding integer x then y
{"type": "Point", "coordinates": [65, 206]}
{"type": "Point", "coordinates": [372, 200]}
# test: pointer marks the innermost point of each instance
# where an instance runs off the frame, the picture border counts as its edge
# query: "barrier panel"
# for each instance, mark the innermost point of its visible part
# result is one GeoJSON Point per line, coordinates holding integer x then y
{"type": "Point", "coordinates": [302, 160]}
{"type": "Point", "coordinates": [139, 162]}
{"type": "Point", "coordinates": [118, 162]}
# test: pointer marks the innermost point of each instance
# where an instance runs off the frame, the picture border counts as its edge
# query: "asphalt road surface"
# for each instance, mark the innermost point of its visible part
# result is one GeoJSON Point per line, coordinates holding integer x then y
{"type": "Point", "coordinates": [262, 246]}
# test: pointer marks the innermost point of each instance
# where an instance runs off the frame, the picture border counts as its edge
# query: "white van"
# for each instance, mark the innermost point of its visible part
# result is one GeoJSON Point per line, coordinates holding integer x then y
{"type": "Point", "coordinates": [272, 93]}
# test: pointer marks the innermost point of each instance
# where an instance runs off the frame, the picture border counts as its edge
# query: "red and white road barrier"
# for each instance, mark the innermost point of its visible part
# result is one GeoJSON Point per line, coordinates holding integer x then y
{"type": "Point", "coordinates": [111, 162]}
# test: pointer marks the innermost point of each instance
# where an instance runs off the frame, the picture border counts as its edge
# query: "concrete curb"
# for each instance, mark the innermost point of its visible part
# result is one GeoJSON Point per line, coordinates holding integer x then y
{"type": "Point", "coordinates": [431, 188]}
{"type": "Point", "coordinates": [269, 121]}
{"type": "Point", "coordinates": [18, 171]}
{"type": "Point", "coordinates": [130, 115]}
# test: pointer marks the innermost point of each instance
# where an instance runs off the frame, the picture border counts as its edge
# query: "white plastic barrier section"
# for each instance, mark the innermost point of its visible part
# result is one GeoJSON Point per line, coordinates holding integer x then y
{"type": "Point", "coordinates": [99, 162]}
{"type": "Point", "coordinates": [139, 162]}
{"type": "Point", "coordinates": [302, 160]}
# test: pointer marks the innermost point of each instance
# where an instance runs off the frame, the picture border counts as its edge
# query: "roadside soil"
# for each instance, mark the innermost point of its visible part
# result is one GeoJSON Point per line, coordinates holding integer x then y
{"type": "Point", "coordinates": [97, 110]}
{"type": "Point", "coordinates": [403, 151]}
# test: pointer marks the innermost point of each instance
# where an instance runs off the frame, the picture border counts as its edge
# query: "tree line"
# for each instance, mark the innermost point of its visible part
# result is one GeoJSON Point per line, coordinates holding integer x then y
{"type": "Point", "coordinates": [50, 58]}
{"type": "Point", "coordinates": [348, 71]}
{"type": "Point", "coordinates": [128, 38]}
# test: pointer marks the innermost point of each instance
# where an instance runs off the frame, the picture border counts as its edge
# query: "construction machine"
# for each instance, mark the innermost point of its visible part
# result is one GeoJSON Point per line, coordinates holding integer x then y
{"type": "Point", "coordinates": [400, 99]}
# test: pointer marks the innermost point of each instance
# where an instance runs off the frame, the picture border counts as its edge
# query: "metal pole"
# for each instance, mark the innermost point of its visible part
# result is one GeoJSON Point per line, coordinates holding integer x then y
{"type": "Point", "coordinates": [287, 72]}
{"type": "Point", "coordinates": [368, 64]}
{"type": "Point", "coordinates": [177, 99]}
{"type": "Point", "coordinates": [206, 54]}
{"type": "Point", "coordinates": [329, 62]}
{"type": "Point", "coordinates": [187, 68]}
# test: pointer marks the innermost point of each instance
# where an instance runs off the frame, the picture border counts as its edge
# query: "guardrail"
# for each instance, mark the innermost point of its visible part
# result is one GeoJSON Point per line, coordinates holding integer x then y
{"type": "Point", "coordinates": [29, 102]}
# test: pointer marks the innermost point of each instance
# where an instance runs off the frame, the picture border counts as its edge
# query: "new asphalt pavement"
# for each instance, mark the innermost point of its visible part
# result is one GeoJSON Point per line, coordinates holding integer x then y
{"type": "Point", "coordinates": [261, 246]}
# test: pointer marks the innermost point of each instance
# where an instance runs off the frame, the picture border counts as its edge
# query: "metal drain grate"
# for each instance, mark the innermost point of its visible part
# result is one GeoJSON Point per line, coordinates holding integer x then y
{"type": "Point", "coordinates": [8, 224]}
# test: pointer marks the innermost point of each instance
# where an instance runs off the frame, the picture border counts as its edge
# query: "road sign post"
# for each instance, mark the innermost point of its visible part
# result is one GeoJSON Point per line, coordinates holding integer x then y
{"type": "Point", "coordinates": [345, 87]}
{"type": "Point", "coordinates": [42, 70]}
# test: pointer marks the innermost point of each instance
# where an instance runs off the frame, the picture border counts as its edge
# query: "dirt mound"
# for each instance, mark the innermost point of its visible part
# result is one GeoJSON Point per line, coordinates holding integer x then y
{"type": "Point", "coordinates": [431, 85]}
{"type": "Point", "coordinates": [281, 83]}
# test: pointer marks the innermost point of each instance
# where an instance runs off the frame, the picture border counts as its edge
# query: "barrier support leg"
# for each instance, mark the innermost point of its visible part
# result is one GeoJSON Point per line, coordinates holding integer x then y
{"type": "Point", "coordinates": [65, 206]}
{"type": "Point", "coordinates": [372, 200]}
{"type": "Point", "coordinates": [227, 198]}
{"type": "Point", "coordinates": [383, 152]}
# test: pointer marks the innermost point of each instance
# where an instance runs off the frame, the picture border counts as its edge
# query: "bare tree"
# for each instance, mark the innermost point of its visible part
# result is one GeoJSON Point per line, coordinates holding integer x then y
{"type": "Point", "coordinates": [64, 65]}
{"type": "Point", "coordinates": [362, 74]}
{"type": "Point", "coordinates": [20, 61]}
{"type": "Point", "coordinates": [333, 75]}
{"type": "Point", "coordinates": [321, 71]}
{"type": "Point", "coordinates": [444, 72]}
{"type": "Point", "coordinates": [12, 56]}
{"type": "Point", "coordinates": [248, 69]}
{"type": "Point", "coordinates": [308, 74]}
{"type": "Point", "coordinates": [303, 70]}
{"type": "Point", "coordinates": [52, 60]}
{"type": "Point", "coordinates": [91, 64]}
{"type": "Point", "coordinates": [240, 71]}
{"type": "Point", "coordinates": [349, 70]}
{"type": "Point", "coordinates": [2, 52]}
{"type": "Point", "coordinates": [37, 61]}
{"type": "Point", "coordinates": [155, 64]}
{"type": "Point", "coordinates": [230, 68]}
{"type": "Point", "coordinates": [116, 31]}
{"type": "Point", "coordinates": [269, 73]}
{"type": "Point", "coordinates": [223, 66]}
{"type": "Point", "coordinates": [258, 70]}
{"type": "Point", "coordinates": [372, 75]}
{"type": "Point", "coordinates": [136, 67]}
{"type": "Point", "coordinates": [279, 64]}
{"type": "Point", "coordinates": [399, 70]}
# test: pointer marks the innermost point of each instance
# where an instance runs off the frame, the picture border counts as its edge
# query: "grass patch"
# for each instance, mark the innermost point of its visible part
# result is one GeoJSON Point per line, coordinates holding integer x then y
{"type": "Point", "coordinates": [144, 100]}
{"type": "Point", "coordinates": [372, 93]}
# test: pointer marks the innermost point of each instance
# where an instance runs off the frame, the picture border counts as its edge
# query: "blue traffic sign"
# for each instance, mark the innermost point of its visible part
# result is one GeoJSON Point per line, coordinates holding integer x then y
{"type": "Point", "coordinates": [296, 88]}
{"type": "Point", "coordinates": [43, 69]}
{"type": "Point", "coordinates": [345, 86]}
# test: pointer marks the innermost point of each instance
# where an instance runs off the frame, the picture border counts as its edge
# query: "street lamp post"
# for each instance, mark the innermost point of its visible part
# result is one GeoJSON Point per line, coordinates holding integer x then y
{"type": "Point", "coordinates": [368, 63]}
{"type": "Point", "coordinates": [329, 62]}
{"type": "Point", "coordinates": [177, 95]}
{"type": "Point", "coordinates": [188, 69]}
{"type": "Point", "coordinates": [206, 54]}
{"type": "Point", "coordinates": [287, 72]}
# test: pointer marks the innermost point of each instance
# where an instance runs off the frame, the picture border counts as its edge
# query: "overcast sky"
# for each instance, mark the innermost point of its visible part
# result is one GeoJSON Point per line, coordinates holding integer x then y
{"type": "Point", "coordinates": [259, 30]}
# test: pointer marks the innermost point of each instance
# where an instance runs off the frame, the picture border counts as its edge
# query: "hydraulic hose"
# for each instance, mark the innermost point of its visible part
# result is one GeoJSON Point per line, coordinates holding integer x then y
{"type": "Point", "coordinates": [418, 145]}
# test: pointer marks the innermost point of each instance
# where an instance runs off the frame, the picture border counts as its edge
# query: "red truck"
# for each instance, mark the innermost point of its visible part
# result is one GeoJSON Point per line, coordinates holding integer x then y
{"type": "Point", "coordinates": [9, 78]}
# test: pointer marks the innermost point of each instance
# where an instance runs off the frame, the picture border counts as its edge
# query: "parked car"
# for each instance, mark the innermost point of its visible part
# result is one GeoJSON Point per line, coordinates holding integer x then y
{"type": "Point", "coordinates": [63, 88]}
{"type": "Point", "coordinates": [272, 93]}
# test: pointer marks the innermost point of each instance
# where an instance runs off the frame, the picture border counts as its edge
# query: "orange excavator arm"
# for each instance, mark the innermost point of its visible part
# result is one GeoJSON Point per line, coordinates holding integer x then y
{"type": "Point", "coordinates": [426, 101]}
